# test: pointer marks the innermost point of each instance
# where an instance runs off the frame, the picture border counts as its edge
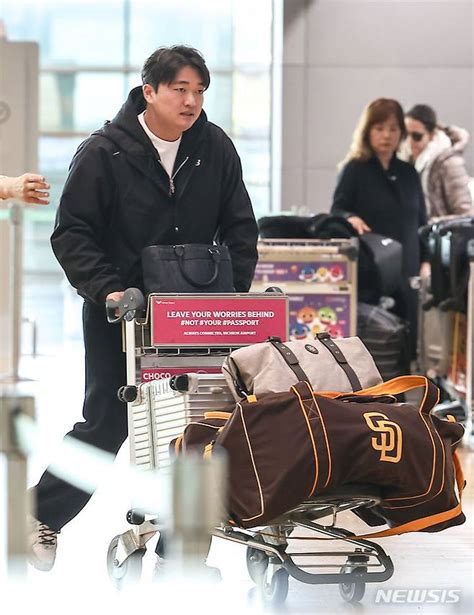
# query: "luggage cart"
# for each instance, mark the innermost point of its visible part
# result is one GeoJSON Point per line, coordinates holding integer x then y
{"type": "Point", "coordinates": [160, 409]}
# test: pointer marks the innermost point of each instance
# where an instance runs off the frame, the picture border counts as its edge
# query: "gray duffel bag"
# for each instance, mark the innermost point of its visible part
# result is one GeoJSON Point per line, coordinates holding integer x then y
{"type": "Point", "coordinates": [272, 367]}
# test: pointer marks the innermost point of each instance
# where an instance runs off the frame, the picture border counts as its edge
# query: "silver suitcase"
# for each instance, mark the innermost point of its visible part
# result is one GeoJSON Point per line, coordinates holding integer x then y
{"type": "Point", "coordinates": [435, 337]}
{"type": "Point", "coordinates": [159, 414]}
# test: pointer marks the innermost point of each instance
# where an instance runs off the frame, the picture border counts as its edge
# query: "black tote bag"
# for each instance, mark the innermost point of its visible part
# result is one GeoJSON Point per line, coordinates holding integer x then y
{"type": "Point", "coordinates": [187, 268]}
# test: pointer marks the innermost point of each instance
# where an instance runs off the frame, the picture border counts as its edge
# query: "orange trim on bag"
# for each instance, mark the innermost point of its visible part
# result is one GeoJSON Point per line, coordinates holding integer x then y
{"type": "Point", "coordinates": [460, 480]}
{"type": "Point", "coordinates": [401, 384]}
{"type": "Point", "coordinates": [327, 442]}
{"type": "Point", "coordinates": [450, 418]}
{"type": "Point", "coordinates": [208, 451]}
{"type": "Point", "coordinates": [251, 399]}
{"type": "Point", "coordinates": [217, 414]}
{"type": "Point", "coordinates": [177, 444]}
{"type": "Point", "coordinates": [316, 461]}
{"type": "Point", "coordinates": [254, 465]}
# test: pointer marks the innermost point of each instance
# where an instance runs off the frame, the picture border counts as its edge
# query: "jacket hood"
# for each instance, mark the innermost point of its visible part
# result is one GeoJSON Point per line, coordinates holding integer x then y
{"type": "Point", "coordinates": [459, 137]}
{"type": "Point", "coordinates": [447, 142]}
{"type": "Point", "coordinates": [126, 132]}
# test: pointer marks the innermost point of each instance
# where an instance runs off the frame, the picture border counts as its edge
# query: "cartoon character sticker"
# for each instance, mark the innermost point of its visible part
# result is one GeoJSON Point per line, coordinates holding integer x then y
{"type": "Point", "coordinates": [336, 273]}
{"type": "Point", "coordinates": [313, 314]}
{"type": "Point", "coordinates": [335, 331]}
{"type": "Point", "coordinates": [307, 274]}
{"type": "Point", "coordinates": [327, 317]}
{"type": "Point", "coordinates": [306, 315]}
{"type": "Point", "coordinates": [322, 274]}
{"type": "Point", "coordinates": [299, 332]}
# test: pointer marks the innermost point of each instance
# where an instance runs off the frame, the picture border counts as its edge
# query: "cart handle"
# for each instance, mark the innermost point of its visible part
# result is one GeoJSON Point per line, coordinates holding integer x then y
{"type": "Point", "coordinates": [132, 301]}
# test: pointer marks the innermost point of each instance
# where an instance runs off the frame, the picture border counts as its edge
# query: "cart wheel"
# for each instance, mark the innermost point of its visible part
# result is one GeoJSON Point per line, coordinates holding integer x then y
{"type": "Point", "coordinates": [276, 591]}
{"type": "Point", "coordinates": [352, 592]}
{"type": "Point", "coordinates": [129, 572]}
{"type": "Point", "coordinates": [257, 562]}
{"type": "Point", "coordinates": [127, 393]}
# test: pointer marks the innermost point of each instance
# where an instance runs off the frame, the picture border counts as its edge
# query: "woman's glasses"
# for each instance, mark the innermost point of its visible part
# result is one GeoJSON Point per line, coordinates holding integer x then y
{"type": "Point", "coordinates": [416, 136]}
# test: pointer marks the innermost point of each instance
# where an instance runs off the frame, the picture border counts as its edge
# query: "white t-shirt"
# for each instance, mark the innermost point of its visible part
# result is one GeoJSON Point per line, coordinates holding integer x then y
{"type": "Point", "coordinates": [166, 149]}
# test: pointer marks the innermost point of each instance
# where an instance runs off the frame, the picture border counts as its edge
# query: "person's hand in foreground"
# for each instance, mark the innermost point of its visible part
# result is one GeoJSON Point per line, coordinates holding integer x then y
{"type": "Point", "coordinates": [29, 188]}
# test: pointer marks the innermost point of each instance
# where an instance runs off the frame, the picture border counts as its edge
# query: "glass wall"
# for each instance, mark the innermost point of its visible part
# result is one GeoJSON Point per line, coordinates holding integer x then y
{"type": "Point", "coordinates": [91, 52]}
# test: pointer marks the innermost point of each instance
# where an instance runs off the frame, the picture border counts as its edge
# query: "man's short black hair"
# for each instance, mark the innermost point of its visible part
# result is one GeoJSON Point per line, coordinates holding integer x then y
{"type": "Point", "coordinates": [165, 63]}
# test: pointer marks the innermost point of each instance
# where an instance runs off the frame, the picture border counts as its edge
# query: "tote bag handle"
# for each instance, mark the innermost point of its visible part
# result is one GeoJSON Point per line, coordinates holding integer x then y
{"type": "Point", "coordinates": [216, 257]}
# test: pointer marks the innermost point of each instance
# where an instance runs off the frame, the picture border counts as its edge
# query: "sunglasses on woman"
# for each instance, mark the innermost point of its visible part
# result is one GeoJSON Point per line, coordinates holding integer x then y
{"type": "Point", "coordinates": [416, 136]}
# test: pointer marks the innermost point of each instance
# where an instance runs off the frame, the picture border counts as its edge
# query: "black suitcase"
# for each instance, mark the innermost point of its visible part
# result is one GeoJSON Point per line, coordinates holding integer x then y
{"type": "Point", "coordinates": [387, 338]}
{"type": "Point", "coordinates": [380, 267]}
{"type": "Point", "coordinates": [447, 249]}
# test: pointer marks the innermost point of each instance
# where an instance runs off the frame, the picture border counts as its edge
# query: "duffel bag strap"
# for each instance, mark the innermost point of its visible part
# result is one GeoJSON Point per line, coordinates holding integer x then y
{"type": "Point", "coordinates": [337, 353]}
{"type": "Point", "coordinates": [402, 384]}
{"type": "Point", "coordinates": [289, 358]}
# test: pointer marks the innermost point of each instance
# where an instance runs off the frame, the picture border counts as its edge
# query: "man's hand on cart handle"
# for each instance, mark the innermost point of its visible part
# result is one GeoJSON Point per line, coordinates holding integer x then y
{"type": "Point", "coordinates": [121, 305]}
{"type": "Point", "coordinates": [116, 296]}
{"type": "Point", "coordinates": [112, 305]}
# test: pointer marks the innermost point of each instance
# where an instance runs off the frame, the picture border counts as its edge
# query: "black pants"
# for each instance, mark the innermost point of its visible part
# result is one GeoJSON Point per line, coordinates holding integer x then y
{"type": "Point", "coordinates": [105, 417]}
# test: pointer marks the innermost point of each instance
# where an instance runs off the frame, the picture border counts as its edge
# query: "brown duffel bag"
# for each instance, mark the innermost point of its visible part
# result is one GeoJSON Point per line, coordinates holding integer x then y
{"type": "Point", "coordinates": [198, 434]}
{"type": "Point", "coordinates": [286, 448]}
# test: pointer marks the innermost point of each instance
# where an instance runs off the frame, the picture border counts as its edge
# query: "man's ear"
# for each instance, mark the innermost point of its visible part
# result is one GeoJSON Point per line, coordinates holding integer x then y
{"type": "Point", "coordinates": [148, 92]}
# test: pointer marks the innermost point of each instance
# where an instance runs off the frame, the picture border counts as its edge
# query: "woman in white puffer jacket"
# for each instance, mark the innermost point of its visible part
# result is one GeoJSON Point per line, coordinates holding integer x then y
{"type": "Point", "coordinates": [437, 153]}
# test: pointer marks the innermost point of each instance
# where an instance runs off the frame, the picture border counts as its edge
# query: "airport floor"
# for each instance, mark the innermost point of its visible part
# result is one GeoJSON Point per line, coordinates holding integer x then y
{"type": "Point", "coordinates": [79, 580]}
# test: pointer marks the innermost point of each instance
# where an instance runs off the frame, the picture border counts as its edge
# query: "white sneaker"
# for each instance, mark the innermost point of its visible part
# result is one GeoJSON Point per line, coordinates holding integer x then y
{"type": "Point", "coordinates": [42, 545]}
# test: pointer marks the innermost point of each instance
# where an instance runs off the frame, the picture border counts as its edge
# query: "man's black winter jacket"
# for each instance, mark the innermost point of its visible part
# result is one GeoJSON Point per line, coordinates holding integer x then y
{"type": "Point", "coordinates": [118, 199]}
